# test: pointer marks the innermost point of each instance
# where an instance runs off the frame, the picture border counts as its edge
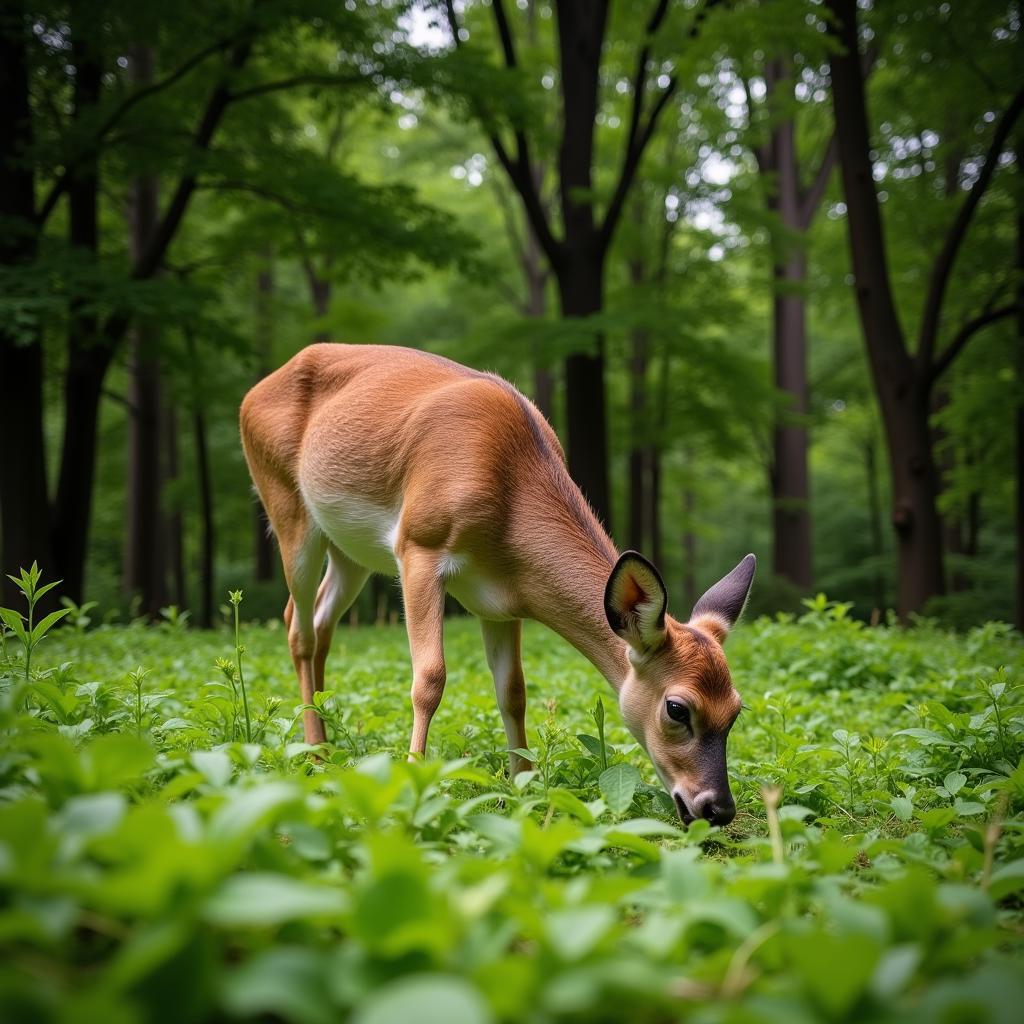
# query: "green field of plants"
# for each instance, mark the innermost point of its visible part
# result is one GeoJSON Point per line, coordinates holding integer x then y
{"type": "Point", "coordinates": [169, 850]}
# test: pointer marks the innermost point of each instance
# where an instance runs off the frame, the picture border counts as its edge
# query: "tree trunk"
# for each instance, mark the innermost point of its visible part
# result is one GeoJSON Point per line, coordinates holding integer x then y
{"type": "Point", "coordinates": [23, 489]}
{"type": "Point", "coordinates": [875, 520]}
{"type": "Point", "coordinates": [263, 545]}
{"type": "Point", "coordinates": [581, 29]}
{"type": "Point", "coordinates": [207, 539]}
{"type": "Point", "coordinates": [639, 447]}
{"type": "Point", "coordinates": [690, 593]}
{"type": "Point", "coordinates": [791, 499]}
{"type": "Point", "coordinates": [175, 524]}
{"type": "Point", "coordinates": [580, 291]}
{"type": "Point", "coordinates": [902, 393]}
{"type": "Point", "coordinates": [790, 480]}
{"type": "Point", "coordinates": [145, 560]}
{"type": "Point", "coordinates": [88, 357]}
{"type": "Point", "coordinates": [1020, 412]}
{"type": "Point", "coordinates": [320, 292]}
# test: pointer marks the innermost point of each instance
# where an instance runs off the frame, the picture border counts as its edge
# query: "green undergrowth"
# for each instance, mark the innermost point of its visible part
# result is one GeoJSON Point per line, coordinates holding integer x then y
{"type": "Point", "coordinates": [169, 851]}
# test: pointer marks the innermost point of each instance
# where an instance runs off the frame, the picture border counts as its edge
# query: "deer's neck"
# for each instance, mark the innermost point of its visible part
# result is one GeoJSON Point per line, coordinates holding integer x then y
{"type": "Point", "coordinates": [566, 592]}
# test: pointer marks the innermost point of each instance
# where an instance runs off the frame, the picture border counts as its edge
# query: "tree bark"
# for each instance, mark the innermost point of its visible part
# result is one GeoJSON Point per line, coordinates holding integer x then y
{"type": "Point", "coordinates": [581, 28]}
{"type": "Point", "coordinates": [88, 358]}
{"type": "Point", "coordinates": [903, 394]}
{"type": "Point", "coordinates": [790, 479]}
{"type": "Point", "coordinates": [207, 536]}
{"type": "Point", "coordinates": [175, 523]}
{"type": "Point", "coordinates": [145, 558]}
{"type": "Point", "coordinates": [639, 461]}
{"type": "Point", "coordinates": [1020, 412]}
{"type": "Point", "coordinates": [875, 521]}
{"type": "Point", "coordinates": [23, 487]}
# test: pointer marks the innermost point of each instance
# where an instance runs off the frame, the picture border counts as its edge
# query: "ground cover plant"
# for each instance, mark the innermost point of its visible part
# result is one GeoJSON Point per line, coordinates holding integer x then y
{"type": "Point", "coordinates": [169, 851]}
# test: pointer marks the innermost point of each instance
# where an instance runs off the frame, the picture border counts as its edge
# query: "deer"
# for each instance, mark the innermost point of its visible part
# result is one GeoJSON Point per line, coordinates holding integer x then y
{"type": "Point", "coordinates": [381, 459]}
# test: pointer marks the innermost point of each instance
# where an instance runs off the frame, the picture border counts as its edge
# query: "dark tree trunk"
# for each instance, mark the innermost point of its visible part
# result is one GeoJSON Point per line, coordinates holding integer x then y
{"type": "Point", "coordinates": [690, 592]}
{"type": "Point", "coordinates": [175, 519]}
{"type": "Point", "coordinates": [791, 499]}
{"type": "Point", "coordinates": [902, 392]}
{"type": "Point", "coordinates": [146, 546]}
{"type": "Point", "coordinates": [790, 480]}
{"type": "Point", "coordinates": [581, 296]}
{"type": "Point", "coordinates": [88, 356]}
{"type": "Point", "coordinates": [1020, 412]}
{"type": "Point", "coordinates": [207, 538]}
{"type": "Point", "coordinates": [639, 446]}
{"type": "Point", "coordinates": [24, 509]}
{"type": "Point", "coordinates": [263, 545]}
{"type": "Point", "coordinates": [581, 28]}
{"type": "Point", "coordinates": [875, 521]}
{"type": "Point", "coordinates": [320, 292]}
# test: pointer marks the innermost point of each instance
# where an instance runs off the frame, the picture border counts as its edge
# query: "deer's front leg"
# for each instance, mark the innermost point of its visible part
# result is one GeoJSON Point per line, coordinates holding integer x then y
{"type": "Point", "coordinates": [502, 646]}
{"type": "Point", "coordinates": [423, 596]}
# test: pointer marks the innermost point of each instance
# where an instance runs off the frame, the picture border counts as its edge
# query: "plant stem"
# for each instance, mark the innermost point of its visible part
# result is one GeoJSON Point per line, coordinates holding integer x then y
{"type": "Point", "coordinates": [241, 678]}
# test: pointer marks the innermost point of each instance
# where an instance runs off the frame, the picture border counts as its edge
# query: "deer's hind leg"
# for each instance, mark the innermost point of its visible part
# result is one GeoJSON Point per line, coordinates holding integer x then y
{"type": "Point", "coordinates": [339, 588]}
{"type": "Point", "coordinates": [303, 547]}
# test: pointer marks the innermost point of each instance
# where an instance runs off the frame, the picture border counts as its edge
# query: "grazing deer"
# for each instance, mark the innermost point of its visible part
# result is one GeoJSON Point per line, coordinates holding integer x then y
{"type": "Point", "coordinates": [382, 459]}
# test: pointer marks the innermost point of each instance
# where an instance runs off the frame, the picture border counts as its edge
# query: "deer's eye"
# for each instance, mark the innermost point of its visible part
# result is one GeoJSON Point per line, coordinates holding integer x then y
{"type": "Point", "coordinates": [678, 712]}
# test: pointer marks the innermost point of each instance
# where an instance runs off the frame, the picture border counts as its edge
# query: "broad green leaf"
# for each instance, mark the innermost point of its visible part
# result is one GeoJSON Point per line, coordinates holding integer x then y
{"type": "Point", "coordinates": [425, 999]}
{"type": "Point", "coordinates": [618, 784]}
{"type": "Point", "coordinates": [265, 900]}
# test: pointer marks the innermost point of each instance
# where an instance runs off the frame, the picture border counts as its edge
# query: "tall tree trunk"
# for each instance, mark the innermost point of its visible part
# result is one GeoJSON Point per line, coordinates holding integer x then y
{"type": "Point", "coordinates": [790, 480]}
{"type": "Point", "coordinates": [145, 560]}
{"type": "Point", "coordinates": [690, 592]}
{"type": "Point", "coordinates": [88, 357]}
{"type": "Point", "coordinates": [1020, 411]}
{"type": "Point", "coordinates": [24, 508]}
{"type": "Point", "coordinates": [320, 293]}
{"type": "Point", "coordinates": [581, 294]}
{"type": "Point", "coordinates": [902, 392]}
{"type": "Point", "coordinates": [175, 525]}
{"type": "Point", "coordinates": [639, 445]}
{"type": "Point", "coordinates": [263, 545]}
{"type": "Point", "coordinates": [207, 537]}
{"type": "Point", "coordinates": [875, 520]}
{"type": "Point", "coordinates": [581, 28]}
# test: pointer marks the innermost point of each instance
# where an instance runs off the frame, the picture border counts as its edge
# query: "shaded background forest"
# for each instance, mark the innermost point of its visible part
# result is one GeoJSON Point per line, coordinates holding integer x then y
{"type": "Point", "coordinates": [759, 263]}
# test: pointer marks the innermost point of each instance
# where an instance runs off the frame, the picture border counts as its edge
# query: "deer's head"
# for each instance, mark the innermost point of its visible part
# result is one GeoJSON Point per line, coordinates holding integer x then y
{"type": "Point", "coordinates": [678, 699]}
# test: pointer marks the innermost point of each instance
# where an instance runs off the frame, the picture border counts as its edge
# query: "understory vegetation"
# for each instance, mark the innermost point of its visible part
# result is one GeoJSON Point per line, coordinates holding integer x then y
{"type": "Point", "coordinates": [169, 851]}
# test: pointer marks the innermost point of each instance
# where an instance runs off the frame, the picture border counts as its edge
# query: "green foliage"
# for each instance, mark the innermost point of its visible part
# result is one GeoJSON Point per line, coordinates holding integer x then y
{"type": "Point", "coordinates": [157, 858]}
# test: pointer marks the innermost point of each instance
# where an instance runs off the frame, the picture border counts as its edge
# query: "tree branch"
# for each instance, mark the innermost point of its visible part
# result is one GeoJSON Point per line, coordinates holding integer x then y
{"type": "Point", "coordinates": [517, 167]}
{"type": "Point", "coordinates": [964, 335]}
{"type": "Point", "coordinates": [289, 83]}
{"type": "Point", "coordinates": [943, 266]}
{"type": "Point", "coordinates": [811, 199]}
{"type": "Point", "coordinates": [115, 116]}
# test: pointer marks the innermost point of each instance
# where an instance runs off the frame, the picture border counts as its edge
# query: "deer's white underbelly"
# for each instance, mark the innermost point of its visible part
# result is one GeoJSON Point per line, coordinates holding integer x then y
{"type": "Point", "coordinates": [367, 533]}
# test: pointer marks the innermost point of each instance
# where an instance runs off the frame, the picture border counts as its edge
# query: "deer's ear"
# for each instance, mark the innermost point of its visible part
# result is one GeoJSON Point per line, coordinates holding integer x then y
{"type": "Point", "coordinates": [635, 601]}
{"type": "Point", "coordinates": [717, 611]}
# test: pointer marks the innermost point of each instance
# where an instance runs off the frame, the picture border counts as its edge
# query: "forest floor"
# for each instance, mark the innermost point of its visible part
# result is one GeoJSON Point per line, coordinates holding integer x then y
{"type": "Point", "coordinates": [162, 858]}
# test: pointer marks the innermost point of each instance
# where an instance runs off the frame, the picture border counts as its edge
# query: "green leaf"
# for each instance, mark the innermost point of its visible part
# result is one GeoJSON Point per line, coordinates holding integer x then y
{"type": "Point", "coordinates": [575, 931]}
{"type": "Point", "coordinates": [215, 766]}
{"type": "Point", "coordinates": [618, 784]}
{"type": "Point", "coordinates": [264, 900]}
{"type": "Point", "coordinates": [835, 969]}
{"type": "Point", "coordinates": [1007, 879]}
{"type": "Point", "coordinates": [43, 625]}
{"type": "Point", "coordinates": [954, 782]}
{"type": "Point", "coordinates": [14, 622]}
{"type": "Point", "coordinates": [425, 999]}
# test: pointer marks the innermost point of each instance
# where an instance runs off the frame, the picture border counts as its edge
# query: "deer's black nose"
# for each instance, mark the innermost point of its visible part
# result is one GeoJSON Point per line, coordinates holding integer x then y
{"type": "Point", "coordinates": [718, 808]}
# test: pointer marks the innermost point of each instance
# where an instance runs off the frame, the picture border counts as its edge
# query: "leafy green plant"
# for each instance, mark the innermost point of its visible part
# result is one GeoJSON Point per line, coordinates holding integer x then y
{"type": "Point", "coordinates": [24, 627]}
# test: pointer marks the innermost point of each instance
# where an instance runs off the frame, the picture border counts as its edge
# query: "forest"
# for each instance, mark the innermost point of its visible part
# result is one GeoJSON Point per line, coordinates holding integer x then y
{"type": "Point", "coordinates": [760, 265]}
{"type": "Point", "coordinates": [762, 277]}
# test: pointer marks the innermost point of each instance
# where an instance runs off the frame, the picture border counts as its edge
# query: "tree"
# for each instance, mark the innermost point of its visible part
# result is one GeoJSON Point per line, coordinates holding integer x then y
{"type": "Point", "coordinates": [904, 379]}
{"type": "Point", "coordinates": [578, 255]}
